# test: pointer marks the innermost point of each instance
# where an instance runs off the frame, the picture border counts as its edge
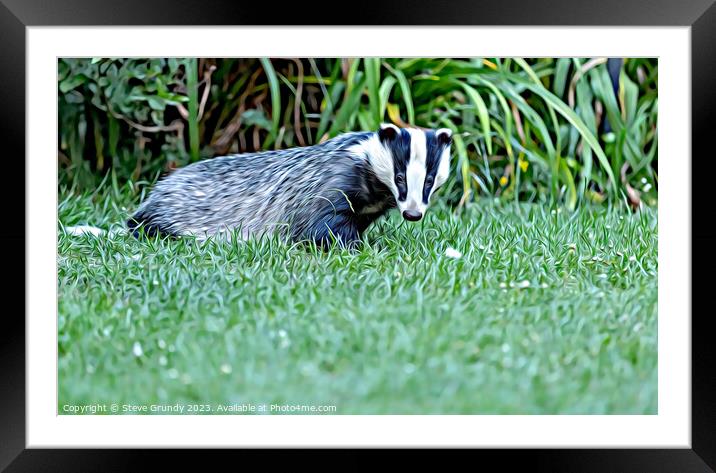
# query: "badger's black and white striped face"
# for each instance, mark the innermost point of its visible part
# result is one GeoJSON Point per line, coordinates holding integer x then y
{"type": "Point", "coordinates": [413, 163]}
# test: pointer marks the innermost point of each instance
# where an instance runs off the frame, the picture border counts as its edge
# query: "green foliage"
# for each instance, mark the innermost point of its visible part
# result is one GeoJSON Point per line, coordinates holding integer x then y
{"type": "Point", "coordinates": [526, 129]}
{"type": "Point", "coordinates": [119, 114]}
{"type": "Point", "coordinates": [546, 312]}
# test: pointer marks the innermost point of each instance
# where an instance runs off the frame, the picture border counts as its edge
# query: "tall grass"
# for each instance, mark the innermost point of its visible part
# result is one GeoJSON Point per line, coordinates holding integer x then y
{"type": "Point", "coordinates": [550, 130]}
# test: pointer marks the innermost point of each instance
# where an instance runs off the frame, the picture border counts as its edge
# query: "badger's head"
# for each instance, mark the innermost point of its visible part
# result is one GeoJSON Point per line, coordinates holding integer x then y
{"type": "Point", "coordinates": [412, 163]}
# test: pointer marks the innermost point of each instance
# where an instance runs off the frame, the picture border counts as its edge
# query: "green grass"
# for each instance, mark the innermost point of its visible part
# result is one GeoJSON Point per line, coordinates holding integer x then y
{"type": "Point", "coordinates": [546, 312]}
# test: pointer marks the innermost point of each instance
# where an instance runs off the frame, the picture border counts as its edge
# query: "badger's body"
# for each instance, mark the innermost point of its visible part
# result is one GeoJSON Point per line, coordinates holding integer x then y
{"type": "Point", "coordinates": [327, 192]}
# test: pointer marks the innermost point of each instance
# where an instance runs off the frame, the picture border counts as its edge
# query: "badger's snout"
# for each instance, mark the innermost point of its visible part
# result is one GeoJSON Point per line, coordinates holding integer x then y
{"type": "Point", "coordinates": [412, 215]}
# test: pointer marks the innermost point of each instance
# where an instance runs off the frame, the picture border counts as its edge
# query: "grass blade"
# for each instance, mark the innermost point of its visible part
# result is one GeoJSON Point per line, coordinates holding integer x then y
{"type": "Point", "coordinates": [192, 87]}
{"type": "Point", "coordinates": [482, 113]}
{"type": "Point", "coordinates": [405, 91]}
{"type": "Point", "coordinates": [274, 87]}
{"type": "Point", "coordinates": [372, 75]}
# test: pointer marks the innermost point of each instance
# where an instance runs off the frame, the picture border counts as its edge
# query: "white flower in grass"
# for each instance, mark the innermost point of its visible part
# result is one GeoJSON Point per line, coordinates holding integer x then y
{"type": "Point", "coordinates": [225, 368]}
{"type": "Point", "coordinates": [523, 284]}
{"type": "Point", "coordinates": [452, 253]}
{"type": "Point", "coordinates": [137, 349]}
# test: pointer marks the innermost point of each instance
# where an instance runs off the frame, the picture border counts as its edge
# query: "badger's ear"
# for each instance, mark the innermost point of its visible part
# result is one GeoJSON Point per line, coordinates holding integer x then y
{"type": "Point", "coordinates": [388, 132]}
{"type": "Point", "coordinates": [444, 136]}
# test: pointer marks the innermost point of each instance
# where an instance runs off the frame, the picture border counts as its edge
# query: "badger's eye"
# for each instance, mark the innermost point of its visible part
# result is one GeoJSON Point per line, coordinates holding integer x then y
{"type": "Point", "coordinates": [400, 179]}
{"type": "Point", "coordinates": [429, 181]}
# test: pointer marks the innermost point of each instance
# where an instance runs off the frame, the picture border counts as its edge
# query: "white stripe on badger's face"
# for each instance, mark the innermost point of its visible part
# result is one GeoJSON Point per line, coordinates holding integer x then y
{"type": "Point", "coordinates": [443, 169]}
{"type": "Point", "coordinates": [380, 160]}
{"type": "Point", "coordinates": [415, 172]}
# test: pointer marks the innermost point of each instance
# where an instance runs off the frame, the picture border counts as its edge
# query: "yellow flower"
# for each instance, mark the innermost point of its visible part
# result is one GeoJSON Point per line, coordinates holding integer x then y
{"type": "Point", "coordinates": [489, 64]}
{"type": "Point", "coordinates": [524, 164]}
{"type": "Point", "coordinates": [503, 181]}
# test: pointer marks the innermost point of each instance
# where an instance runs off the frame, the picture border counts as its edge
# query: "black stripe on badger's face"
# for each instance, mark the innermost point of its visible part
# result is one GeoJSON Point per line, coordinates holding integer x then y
{"type": "Point", "coordinates": [398, 142]}
{"type": "Point", "coordinates": [420, 164]}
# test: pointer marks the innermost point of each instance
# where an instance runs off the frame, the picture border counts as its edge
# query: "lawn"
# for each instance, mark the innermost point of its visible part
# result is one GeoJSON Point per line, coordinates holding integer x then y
{"type": "Point", "coordinates": [544, 312]}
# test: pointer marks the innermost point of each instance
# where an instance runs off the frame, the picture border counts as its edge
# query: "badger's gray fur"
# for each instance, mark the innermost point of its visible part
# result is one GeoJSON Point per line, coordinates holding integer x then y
{"type": "Point", "coordinates": [327, 192]}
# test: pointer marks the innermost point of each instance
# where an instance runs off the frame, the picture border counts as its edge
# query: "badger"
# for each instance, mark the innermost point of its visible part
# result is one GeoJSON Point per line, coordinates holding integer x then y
{"type": "Point", "coordinates": [327, 193]}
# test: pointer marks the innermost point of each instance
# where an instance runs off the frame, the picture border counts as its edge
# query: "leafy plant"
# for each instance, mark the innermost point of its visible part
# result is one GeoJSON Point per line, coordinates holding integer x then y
{"type": "Point", "coordinates": [550, 130]}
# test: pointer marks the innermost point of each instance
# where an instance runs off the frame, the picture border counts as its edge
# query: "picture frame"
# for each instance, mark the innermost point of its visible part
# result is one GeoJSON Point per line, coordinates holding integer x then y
{"type": "Point", "coordinates": [700, 16]}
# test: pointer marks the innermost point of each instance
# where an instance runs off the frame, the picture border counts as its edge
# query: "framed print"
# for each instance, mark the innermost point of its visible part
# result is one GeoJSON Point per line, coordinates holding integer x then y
{"type": "Point", "coordinates": [423, 227]}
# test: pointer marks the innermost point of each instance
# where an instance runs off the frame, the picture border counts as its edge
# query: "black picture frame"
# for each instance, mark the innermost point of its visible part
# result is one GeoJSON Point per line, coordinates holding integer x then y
{"type": "Point", "coordinates": [16, 15]}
